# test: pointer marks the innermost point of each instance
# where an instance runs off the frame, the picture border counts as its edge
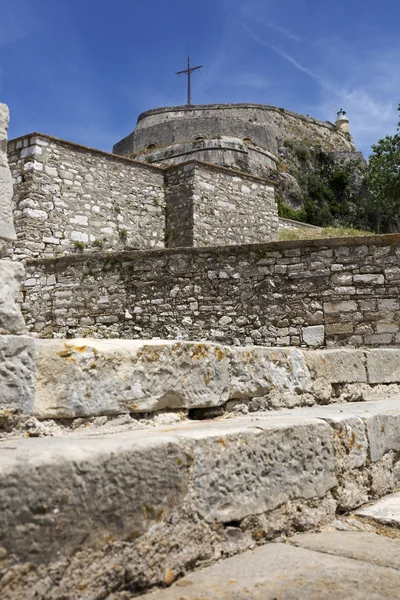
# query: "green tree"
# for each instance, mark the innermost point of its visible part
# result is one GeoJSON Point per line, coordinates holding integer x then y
{"type": "Point", "coordinates": [383, 178]}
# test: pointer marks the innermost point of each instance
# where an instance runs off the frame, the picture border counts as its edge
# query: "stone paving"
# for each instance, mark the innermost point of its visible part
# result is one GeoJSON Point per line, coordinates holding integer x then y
{"type": "Point", "coordinates": [323, 566]}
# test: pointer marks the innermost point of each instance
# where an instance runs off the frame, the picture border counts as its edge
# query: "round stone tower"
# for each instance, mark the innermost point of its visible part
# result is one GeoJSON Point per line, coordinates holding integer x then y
{"type": "Point", "coordinates": [247, 137]}
{"type": "Point", "coordinates": [342, 121]}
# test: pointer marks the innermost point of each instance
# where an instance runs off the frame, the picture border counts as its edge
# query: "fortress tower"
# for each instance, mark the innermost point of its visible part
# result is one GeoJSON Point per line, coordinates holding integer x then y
{"type": "Point", "coordinates": [342, 121]}
{"type": "Point", "coordinates": [246, 137]}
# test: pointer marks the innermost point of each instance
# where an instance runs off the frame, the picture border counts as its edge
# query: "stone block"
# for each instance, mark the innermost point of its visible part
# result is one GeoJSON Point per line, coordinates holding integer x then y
{"type": "Point", "coordinates": [371, 279]}
{"type": "Point", "coordinates": [342, 306]}
{"type": "Point", "coordinates": [314, 335]}
{"type": "Point", "coordinates": [337, 366]}
{"type": "Point", "coordinates": [383, 365]}
{"type": "Point", "coordinates": [383, 433]}
{"type": "Point", "coordinates": [238, 472]}
{"type": "Point", "coordinates": [255, 371]}
{"type": "Point", "coordinates": [339, 328]}
{"type": "Point", "coordinates": [363, 546]}
{"type": "Point", "coordinates": [11, 276]}
{"type": "Point", "coordinates": [86, 377]}
{"type": "Point", "coordinates": [386, 510]}
{"type": "Point", "coordinates": [57, 496]}
{"type": "Point", "coordinates": [17, 372]}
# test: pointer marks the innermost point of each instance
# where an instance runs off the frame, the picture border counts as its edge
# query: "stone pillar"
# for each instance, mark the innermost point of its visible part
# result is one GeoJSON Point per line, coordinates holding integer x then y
{"type": "Point", "coordinates": [17, 351]}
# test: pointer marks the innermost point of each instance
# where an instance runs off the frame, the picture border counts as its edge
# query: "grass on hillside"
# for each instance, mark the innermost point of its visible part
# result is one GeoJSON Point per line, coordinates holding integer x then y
{"type": "Point", "coordinates": [320, 234]}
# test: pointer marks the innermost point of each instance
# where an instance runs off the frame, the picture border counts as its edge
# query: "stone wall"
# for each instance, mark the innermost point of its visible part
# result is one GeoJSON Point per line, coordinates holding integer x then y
{"type": "Point", "coordinates": [230, 152]}
{"type": "Point", "coordinates": [209, 205]}
{"type": "Point", "coordinates": [265, 125]}
{"type": "Point", "coordinates": [341, 292]}
{"type": "Point", "coordinates": [70, 198]}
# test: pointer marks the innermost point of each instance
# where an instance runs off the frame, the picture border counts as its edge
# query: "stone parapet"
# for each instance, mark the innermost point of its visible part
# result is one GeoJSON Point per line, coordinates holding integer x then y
{"type": "Point", "coordinates": [318, 293]}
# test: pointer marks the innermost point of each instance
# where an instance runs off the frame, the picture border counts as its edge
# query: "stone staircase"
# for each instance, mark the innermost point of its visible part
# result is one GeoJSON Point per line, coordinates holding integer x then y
{"type": "Point", "coordinates": [108, 503]}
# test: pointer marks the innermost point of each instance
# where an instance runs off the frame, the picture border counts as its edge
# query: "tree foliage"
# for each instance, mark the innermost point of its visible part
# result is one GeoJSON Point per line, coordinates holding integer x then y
{"type": "Point", "coordinates": [383, 179]}
{"type": "Point", "coordinates": [331, 187]}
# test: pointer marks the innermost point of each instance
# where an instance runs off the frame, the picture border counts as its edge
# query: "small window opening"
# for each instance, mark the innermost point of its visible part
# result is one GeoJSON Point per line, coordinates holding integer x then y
{"type": "Point", "coordinates": [199, 138]}
{"type": "Point", "coordinates": [248, 141]}
{"type": "Point", "coordinates": [151, 147]}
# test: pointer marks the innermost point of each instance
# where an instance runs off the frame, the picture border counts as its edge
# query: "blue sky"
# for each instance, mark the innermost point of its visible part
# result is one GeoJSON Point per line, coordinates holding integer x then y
{"type": "Point", "coordinates": [83, 70]}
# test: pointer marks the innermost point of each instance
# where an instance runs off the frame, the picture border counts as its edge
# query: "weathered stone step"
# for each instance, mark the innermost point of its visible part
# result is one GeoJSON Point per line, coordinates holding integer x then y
{"type": "Point", "coordinates": [386, 510]}
{"type": "Point", "coordinates": [157, 503]}
{"type": "Point", "coordinates": [328, 566]}
{"type": "Point", "coordinates": [87, 377]}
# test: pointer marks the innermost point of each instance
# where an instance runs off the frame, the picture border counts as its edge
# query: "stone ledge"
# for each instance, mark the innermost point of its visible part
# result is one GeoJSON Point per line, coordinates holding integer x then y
{"type": "Point", "coordinates": [87, 377]}
{"type": "Point", "coordinates": [392, 239]}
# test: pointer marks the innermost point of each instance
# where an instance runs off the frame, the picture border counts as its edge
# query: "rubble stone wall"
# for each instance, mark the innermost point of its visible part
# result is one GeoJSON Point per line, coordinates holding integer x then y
{"type": "Point", "coordinates": [209, 205]}
{"type": "Point", "coordinates": [341, 292]}
{"type": "Point", "coordinates": [72, 199]}
{"type": "Point", "coordinates": [68, 198]}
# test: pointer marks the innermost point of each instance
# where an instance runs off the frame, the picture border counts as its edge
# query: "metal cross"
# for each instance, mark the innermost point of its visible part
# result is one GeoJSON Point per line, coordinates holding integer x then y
{"type": "Point", "coordinates": [189, 72]}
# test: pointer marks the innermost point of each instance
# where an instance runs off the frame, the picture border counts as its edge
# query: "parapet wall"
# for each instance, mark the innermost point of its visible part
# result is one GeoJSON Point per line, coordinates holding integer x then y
{"type": "Point", "coordinates": [68, 198]}
{"type": "Point", "coordinates": [323, 293]}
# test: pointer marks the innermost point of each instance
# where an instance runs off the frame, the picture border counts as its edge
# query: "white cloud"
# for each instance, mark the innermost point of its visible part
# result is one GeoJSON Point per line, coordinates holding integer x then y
{"type": "Point", "coordinates": [282, 53]}
{"type": "Point", "coordinates": [285, 32]}
{"type": "Point", "coordinates": [365, 84]}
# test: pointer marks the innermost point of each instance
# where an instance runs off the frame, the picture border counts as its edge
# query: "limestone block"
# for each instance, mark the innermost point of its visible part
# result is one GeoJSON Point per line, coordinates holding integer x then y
{"type": "Point", "coordinates": [337, 366]}
{"type": "Point", "coordinates": [386, 510]}
{"type": "Point", "coordinates": [381, 421]}
{"type": "Point", "coordinates": [17, 372]}
{"type": "Point", "coordinates": [383, 365]}
{"type": "Point", "coordinates": [7, 230]}
{"type": "Point", "coordinates": [253, 470]}
{"type": "Point", "coordinates": [314, 335]}
{"type": "Point", "coordinates": [352, 435]}
{"type": "Point", "coordinates": [11, 276]}
{"type": "Point", "coordinates": [255, 371]}
{"type": "Point", "coordinates": [56, 496]}
{"type": "Point", "coordinates": [85, 377]}
{"type": "Point", "coordinates": [383, 433]}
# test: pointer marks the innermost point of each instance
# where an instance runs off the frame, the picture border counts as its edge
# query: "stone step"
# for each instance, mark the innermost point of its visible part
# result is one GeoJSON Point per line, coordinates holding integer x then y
{"type": "Point", "coordinates": [88, 377]}
{"type": "Point", "coordinates": [386, 510]}
{"type": "Point", "coordinates": [326, 566]}
{"type": "Point", "coordinates": [133, 510]}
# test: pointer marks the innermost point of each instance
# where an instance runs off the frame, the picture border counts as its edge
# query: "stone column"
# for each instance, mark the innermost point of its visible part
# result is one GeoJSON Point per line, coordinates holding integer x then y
{"type": "Point", "coordinates": [17, 351]}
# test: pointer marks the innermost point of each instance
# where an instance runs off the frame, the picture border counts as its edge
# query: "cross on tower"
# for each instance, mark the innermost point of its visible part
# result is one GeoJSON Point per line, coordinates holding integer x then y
{"type": "Point", "coordinates": [189, 72]}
